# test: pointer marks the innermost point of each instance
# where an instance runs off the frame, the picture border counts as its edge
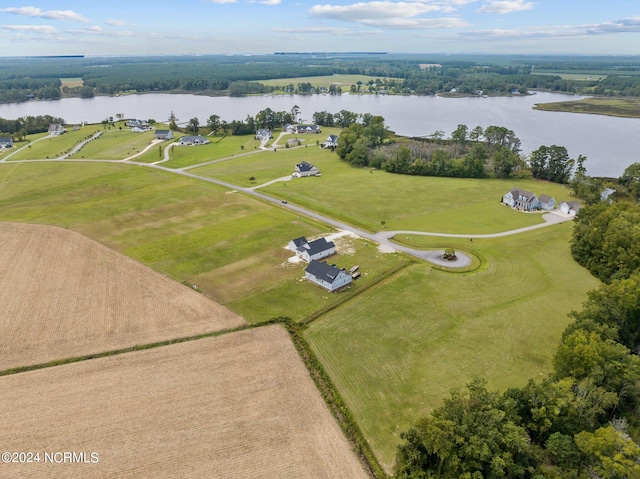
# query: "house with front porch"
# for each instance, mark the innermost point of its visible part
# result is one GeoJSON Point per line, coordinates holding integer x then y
{"type": "Point", "coordinates": [521, 200]}
{"type": "Point", "coordinates": [193, 140]}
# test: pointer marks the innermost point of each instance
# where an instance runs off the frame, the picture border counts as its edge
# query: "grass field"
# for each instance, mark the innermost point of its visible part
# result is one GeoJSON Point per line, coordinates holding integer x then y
{"type": "Point", "coordinates": [220, 147]}
{"type": "Point", "coordinates": [343, 81]}
{"type": "Point", "coordinates": [231, 246]}
{"type": "Point", "coordinates": [72, 82]}
{"type": "Point", "coordinates": [236, 406]}
{"type": "Point", "coordinates": [395, 352]}
{"type": "Point", "coordinates": [577, 76]}
{"type": "Point", "coordinates": [116, 144]}
{"type": "Point", "coordinates": [623, 107]}
{"type": "Point", "coordinates": [64, 295]}
{"type": "Point", "coordinates": [57, 146]}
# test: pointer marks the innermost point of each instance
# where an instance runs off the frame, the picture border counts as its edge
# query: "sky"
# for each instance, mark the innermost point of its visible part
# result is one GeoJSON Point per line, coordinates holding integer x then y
{"type": "Point", "coordinates": [140, 27]}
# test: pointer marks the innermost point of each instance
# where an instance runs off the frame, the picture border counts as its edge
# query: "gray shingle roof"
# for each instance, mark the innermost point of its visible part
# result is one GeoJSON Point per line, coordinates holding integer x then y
{"type": "Point", "coordinates": [323, 271]}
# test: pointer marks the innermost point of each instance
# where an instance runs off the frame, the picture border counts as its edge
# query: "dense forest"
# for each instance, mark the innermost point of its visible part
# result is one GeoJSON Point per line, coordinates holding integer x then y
{"type": "Point", "coordinates": [22, 79]}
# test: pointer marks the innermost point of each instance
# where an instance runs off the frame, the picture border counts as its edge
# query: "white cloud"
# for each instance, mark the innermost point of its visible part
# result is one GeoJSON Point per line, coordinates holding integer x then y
{"type": "Point", "coordinates": [270, 2]}
{"type": "Point", "coordinates": [49, 15]}
{"type": "Point", "coordinates": [116, 23]}
{"type": "Point", "coordinates": [620, 26]}
{"type": "Point", "coordinates": [506, 6]}
{"type": "Point", "coordinates": [328, 31]}
{"type": "Point", "coordinates": [46, 29]}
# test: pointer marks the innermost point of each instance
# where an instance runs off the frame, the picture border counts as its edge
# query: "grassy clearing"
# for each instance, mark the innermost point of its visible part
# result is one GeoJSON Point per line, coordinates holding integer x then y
{"type": "Point", "coordinates": [343, 81]}
{"type": "Point", "coordinates": [72, 82]}
{"type": "Point", "coordinates": [115, 145]}
{"type": "Point", "coordinates": [573, 75]}
{"type": "Point", "coordinates": [395, 352]}
{"type": "Point", "coordinates": [622, 107]}
{"type": "Point", "coordinates": [229, 245]}
{"type": "Point", "coordinates": [57, 146]}
{"type": "Point", "coordinates": [220, 147]}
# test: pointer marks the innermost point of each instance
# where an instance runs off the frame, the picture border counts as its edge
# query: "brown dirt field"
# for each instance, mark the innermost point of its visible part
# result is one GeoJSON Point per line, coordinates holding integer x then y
{"type": "Point", "coordinates": [65, 295]}
{"type": "Point", "coordinates": [234, 406]}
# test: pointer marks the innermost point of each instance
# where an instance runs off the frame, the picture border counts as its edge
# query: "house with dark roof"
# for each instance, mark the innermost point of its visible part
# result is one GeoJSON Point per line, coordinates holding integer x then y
{"type": "Point", "coordinates": [327, 276]}
{"type": "Point", "coordinates": [193, 140]}
{"type": "Point", "coordinates": [521, 200]}
{"type": "Point", "coordinates": [546, 202]}
{"type": "Point", "coordinates": [314, 250]}
{"type": "Point", "coordinates": [6, 142]}
{"type": "Point", "coordinates": [263, 134]}
{"type": "Point", "coordinates": [306, 169]}
{"type": "Point", "coordinates": [133, 123]}
{"type": "Point", "coordinates": [308, 129]}
{"type": "Point", "coordinates": [163, 134]}
{"type": "Point", "coordinates": [330, 142]}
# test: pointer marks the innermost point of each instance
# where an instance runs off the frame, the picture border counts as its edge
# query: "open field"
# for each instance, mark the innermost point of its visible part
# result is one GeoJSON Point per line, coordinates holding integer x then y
{"type": "Point", "coordinates": [231, 246]}
{"type": "Point", "coordinates": [235, 406]}
{"type": "Point", "coordinates": [623, 107]}
{"type": "Point", "coordinates": [395, 352]}
{"type": "Point", "coordinates": [365, 198]}
{"type": "Point", "coordinates": [573, 75]}
{"type": "Point", "coordinates": [56, 146]}
{"type": "Point", "coordinates": [115, 145]}
{"type": "Point", "coordinates": [64, 295]}
{"type": "Point", "coordinates": [220, 147]}
{"type": "Point", "coordinates": [343, 81]}
{"type": "Point", "coordinates": [72, 82]}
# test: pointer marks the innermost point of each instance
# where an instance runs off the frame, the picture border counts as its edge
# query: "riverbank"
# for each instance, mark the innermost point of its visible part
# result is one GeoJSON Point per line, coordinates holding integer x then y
{"type": "Point", "coordinates": [618, 107]}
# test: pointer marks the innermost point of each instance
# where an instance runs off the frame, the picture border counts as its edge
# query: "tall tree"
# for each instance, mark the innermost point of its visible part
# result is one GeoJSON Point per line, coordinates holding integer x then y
{"type": "Point", "coordinates": [213, 123]}
{"type": "Point", "coordinates": [193, 126]}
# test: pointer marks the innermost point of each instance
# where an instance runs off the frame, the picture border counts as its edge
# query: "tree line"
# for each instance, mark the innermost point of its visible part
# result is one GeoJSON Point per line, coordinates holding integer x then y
{"type": "Point", "coordinates": [27, 125]}
{"type": "Point", "coordinates": [581, 422]}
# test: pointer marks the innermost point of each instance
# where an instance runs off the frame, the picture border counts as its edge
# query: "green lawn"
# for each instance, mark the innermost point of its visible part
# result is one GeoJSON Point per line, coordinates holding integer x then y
{"type": "Point", "coordinates": [56, 146]}
{"type": "Point", "coordinates": [343, 81]}
{"type": "Point", "coordinates": [220, 147]}
{"type": "Point", "coordinates": [395, 352]}
{"type": "Point", "coordinates": [623, 107]}
{"type": "Point", "coordinates": [115, 144]}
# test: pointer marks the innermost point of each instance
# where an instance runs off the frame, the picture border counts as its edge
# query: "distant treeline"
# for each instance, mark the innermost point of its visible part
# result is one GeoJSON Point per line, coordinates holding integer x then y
{"type": "Point", "coordinates": [39, 78]}
{"type": "Point", "coordinates": [27, 125]}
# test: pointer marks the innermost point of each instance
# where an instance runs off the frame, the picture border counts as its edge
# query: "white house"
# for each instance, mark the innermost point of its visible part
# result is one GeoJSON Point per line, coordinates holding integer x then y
{"type": "Point", "coordinates": [330, 142]}
{"type": "Point", "coordinates": [314, 250]}
{"type": "Point", "coordinates": [570, 208]}
{"type": "Point", "coordinates": [521, 200]}
{"type": "Point", "coordinates": [327, 276]}
{"type": "Point", "coordinates": [263, 134]}
{"type": "Point", "coordinates": [139, 129]}
{"type": "Point", "coordinates": [308, 129]}
{"type": "Point", "coordinates": [6, 142]}
{"type": "Point", "coordinates": [163, 134]}
{"type": "Point", "coordinates": [306, 169]}
{"type": "Point", "coordinates": [546, 202]}
{"type": "Point", "coordinates": [194, 140]}
{"type": "Point", "coordinates": [56, 129]}
{"type": "Point", "coordinates": [137, 123]}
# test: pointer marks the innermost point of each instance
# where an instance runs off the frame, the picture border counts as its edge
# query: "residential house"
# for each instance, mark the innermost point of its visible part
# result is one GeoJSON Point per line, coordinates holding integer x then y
{"type": "Point", "coordinates": [6, 142]}
{"type": "Point", "coordinates": [163, 134]}
{"type": "Point", "coordinates": [139, 129]}
{"type": "Point", "coordinates": [308, 129]}
{"type": "Point", "coordinates": [289, 128]}
{"type": "Point", "coordinates": [314, 250]}
{"type": "Point", "coordinates": [137, 123]}
{"type": "Point", "coordinates": [263, 134]}
{"type": "Point", "coordinates": [331, 142]}
{"type": "Point", "coordinates": [56, 129]}
{"type": "Point", "coordinates": [546, 202]}
{"type": "Point", "coordinates": [194, 140]}
{"type": "Point", "coordinates": [327, 276]}
{"type": "Point", "coordinates": [570, 208]}
{"type": "Point", "coordinates": [306, 169]}
{"type": "Point", "coordinates": [521, 200]}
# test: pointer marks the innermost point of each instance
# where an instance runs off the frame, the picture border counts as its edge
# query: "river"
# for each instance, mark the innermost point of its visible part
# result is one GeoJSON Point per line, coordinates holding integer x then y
{"type": "Point", "coordinates": [610, 144]}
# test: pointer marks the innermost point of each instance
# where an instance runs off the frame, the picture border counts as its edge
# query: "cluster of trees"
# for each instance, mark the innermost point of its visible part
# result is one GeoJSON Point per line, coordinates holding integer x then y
{"type": "Point", "coordinates": [27, 125]}
{"type": "Point", "coordinates": [22, 89]}
{"type": "Point", "coordinates": [581, 422]}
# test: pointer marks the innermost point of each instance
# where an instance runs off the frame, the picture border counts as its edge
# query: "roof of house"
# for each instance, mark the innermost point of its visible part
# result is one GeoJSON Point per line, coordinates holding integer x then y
{"type": "Point", "coordinates": [317, 246]}
{"type": "Point", "coordinates": [299, 241]}
{"type": "Point", "coordinates": [527, 195]}
{"type": "Point", "coordinates": [332, 138]}
{"type": "Point", "coordinates": [545, 198]}
{"type": "Point", "coordinates": [6, 140]}
{"type": "Point", "coordinates": [323, 271]}
{"type": "Point", "coordinates": [162, 132]}
{"type": "Point", "coordinates": [574, 205]}
{"type": "Point", "coordinates": [193, 138]}
{"type": "Point", "coordinates": [304, 166]}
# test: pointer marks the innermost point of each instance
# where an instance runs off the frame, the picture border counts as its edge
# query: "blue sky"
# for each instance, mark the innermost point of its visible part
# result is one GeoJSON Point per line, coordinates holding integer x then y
{"type": "Point", "coordinates": [135, 27]}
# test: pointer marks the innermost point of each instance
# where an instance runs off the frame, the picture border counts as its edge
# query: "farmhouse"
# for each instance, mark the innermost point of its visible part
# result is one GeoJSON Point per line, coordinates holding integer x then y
{"type": "Point", "coordinates": [6, 142]}
{"type": "Point", "coordinates": [570, 208]}
{"type": "Point", "coordinates": [56, 129]}
{"type": "Point", "coordinates": [314, 250]}
{"type": "Point", "coordinates": [306, 169]}
{"type": "Point", "coordinates": [327, 276]}
{"type": "Point", "coordinates": [193, 140]}
{"type": "Point", "coordinates": [330, 142]}
{"type": "Point", "coordinates": [163, 134]}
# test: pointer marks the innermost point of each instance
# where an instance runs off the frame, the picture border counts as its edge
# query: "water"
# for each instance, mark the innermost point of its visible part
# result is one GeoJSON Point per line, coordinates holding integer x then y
{"type": "Point", "coordinates": [610, 144]}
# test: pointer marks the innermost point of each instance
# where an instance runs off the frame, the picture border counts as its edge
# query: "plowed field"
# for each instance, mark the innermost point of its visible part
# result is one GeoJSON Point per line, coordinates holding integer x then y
{"type": "Point", "coordinates": [64, 295]}
{"type": "Point", "coordinates": [235, 406]}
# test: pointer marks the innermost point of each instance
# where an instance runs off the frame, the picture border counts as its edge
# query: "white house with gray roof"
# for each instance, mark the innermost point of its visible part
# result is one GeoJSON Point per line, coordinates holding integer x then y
{"type": "Point", "coordinates": [306, 169]}
{"type": "Point", "coordinates": [314, 250]}
{"type": "Point", "coordinates": [193, 140]}
{"type": "Point", "coordinates": [327, 276]}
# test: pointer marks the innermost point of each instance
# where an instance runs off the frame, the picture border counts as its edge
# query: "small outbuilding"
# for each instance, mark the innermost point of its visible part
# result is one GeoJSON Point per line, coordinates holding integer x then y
{"type": "Point", "coordinates": [327, 276]}
{"type": "Point", "coordinates": [570, 208]}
